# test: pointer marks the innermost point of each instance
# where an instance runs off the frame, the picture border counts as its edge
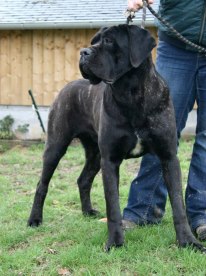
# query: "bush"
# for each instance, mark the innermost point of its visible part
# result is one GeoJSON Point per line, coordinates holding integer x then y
{"type": "Point", "coordinates": [5, 127]}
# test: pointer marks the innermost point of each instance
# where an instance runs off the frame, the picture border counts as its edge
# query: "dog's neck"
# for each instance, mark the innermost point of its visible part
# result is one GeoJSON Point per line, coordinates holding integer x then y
{"type": "Point", "coordinates": [133, 92]}
{"type": "Point", "coordinates": [130, 88]}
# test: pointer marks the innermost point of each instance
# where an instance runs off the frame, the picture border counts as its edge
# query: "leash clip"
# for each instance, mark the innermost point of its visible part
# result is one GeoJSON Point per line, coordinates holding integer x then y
{"type": "Point", "coordinates": [130, 15]}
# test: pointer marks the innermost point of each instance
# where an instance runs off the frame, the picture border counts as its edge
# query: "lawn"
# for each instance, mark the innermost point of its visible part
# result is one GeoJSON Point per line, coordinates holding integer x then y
{"type": "Point", "coordinates": [68, 243]}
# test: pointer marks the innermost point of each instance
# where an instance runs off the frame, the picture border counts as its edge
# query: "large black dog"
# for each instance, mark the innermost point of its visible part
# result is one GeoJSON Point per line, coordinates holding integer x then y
{"type": "Point", "coordinates": [122, 111]}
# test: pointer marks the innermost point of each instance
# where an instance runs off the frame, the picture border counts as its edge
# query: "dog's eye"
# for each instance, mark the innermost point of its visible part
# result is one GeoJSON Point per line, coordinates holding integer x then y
{"type": "Point", "coordinates": [108, 40]}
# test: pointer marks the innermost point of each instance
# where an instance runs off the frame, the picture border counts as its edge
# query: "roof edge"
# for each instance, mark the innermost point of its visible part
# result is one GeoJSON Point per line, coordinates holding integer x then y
{"type": "Point", "coordinates": [68, 25]}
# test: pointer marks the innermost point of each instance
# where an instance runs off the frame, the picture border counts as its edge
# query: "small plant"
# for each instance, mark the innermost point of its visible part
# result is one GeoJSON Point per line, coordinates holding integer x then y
{"type": "Point", "coordinates": [5, 127]}
{"type": "Point", "coordinates": [23, 128]}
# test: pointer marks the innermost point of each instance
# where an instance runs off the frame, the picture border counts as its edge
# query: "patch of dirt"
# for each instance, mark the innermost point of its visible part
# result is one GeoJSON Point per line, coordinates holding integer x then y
{"type": "Point", "coordinates": [20, 245]}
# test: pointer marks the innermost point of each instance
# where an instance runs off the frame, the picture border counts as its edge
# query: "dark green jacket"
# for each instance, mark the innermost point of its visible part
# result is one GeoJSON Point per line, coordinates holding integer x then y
{"type": "Point", "coordinates": [187, 16]}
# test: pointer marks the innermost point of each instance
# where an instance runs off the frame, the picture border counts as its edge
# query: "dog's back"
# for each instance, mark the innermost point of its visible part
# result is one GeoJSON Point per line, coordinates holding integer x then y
{"type": "Point", "coordinates": [76, 105]}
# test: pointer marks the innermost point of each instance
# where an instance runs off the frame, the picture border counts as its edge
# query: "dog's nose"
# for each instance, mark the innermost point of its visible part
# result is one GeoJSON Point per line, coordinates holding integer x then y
{"type": "Point", "coordinates": [85, 52]}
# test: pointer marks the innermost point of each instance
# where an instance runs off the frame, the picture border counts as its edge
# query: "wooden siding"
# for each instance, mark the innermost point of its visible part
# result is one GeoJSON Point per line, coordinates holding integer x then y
{"type": "Point", "coordinates": [41, 60]}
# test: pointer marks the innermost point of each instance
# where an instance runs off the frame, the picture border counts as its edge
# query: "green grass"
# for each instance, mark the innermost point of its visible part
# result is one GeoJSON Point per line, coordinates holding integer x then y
{"type": "Point", "coordinates": [68, 243]}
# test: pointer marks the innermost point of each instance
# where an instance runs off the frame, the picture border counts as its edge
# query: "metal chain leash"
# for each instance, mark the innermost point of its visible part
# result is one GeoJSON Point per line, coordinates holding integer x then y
{"type": "Point", "coordinates": [144, 14]}
{"type": "Point", "coordinates": [131, 15]}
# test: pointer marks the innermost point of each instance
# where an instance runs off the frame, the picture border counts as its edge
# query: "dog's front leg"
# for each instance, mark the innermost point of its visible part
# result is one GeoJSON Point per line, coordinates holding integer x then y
{"type": "Point", "coordinates": [172, 176]}
{"type": "Point", "coordinates": [110, 174]}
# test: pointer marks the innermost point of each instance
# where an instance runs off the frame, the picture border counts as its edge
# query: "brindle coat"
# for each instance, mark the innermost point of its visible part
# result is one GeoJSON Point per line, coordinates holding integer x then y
{"type": "Point", "coordinates": [122, 111]}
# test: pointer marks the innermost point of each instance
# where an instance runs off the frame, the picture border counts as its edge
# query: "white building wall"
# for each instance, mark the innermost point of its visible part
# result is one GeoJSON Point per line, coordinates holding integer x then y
{"type": "Point", "coordinates": [26, 115]}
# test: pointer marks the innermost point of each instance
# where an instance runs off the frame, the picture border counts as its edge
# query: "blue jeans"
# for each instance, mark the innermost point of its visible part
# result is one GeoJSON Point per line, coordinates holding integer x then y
{"type": "Point", "coordinates": [185, 74]}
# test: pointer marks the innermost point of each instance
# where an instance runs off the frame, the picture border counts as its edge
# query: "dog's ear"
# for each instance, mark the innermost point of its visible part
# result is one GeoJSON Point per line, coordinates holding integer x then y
{"type": "Point", "coordinates": [97, 36]}
{"type": "Point", "coordinates": [141, 44]}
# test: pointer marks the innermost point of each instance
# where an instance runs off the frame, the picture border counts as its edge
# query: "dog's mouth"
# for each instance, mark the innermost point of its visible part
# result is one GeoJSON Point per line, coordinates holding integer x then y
{"type": "Point", "coordinates": [87, 73]}
{"type": "Point", "coordinates": [89, 66]}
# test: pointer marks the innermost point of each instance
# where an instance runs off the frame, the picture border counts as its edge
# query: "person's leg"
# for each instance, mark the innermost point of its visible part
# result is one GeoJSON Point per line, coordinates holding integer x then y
{"type": "Point", "coordinates": [196, 188]}
{"type": "Point", "coordinates": [148, 193]}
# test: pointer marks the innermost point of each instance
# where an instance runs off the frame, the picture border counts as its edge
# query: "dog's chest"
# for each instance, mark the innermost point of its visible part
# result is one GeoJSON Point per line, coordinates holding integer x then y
{"type": "Point", "coordinates": [138, 149]}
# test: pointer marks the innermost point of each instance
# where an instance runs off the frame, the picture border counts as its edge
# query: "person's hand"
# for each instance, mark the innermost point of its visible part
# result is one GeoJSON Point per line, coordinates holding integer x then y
{"type": "Point", "coordinates": [135, 5]}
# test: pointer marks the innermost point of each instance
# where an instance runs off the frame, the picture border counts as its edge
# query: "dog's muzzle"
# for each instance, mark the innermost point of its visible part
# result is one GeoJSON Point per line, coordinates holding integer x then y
{"type": "Point", "coordinates": [85, 53]}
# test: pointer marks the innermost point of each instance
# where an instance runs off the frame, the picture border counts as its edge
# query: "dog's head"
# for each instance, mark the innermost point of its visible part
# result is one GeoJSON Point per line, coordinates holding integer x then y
{"type": "Point", "coordinates": [114, 51]}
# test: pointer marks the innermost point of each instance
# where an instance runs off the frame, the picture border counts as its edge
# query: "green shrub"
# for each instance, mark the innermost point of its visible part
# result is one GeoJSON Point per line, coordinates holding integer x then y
{"type": "Point", "coordinates": [6, 127]}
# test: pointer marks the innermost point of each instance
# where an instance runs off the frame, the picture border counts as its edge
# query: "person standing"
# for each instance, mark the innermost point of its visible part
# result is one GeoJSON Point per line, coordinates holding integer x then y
{"type": "Point", "coordinates": [184, 70]}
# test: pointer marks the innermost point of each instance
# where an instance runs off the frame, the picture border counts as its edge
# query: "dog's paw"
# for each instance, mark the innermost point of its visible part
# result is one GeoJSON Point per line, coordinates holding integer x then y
{"type": "Point", "coordinates": [194, 244]}
{"type": "Point", "coordinates": [199, 247]}
{"type": "Point", "coordinates": [111, 244]}
{"type": "Point", "coordinates": [91, 213]}
{"type": "Point", "coordinates": [34, 222]}
{"type": "Point", "coordinates": [115, 240]}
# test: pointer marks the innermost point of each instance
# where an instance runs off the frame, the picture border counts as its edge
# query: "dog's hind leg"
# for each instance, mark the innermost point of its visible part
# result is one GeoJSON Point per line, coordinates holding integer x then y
{"type": "Point", "coordinates": [52, 155]}
{"type": "Point", "coordinates": [91, 168]}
